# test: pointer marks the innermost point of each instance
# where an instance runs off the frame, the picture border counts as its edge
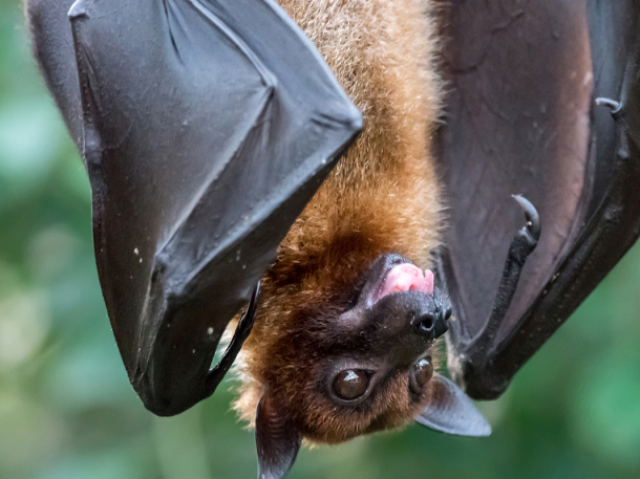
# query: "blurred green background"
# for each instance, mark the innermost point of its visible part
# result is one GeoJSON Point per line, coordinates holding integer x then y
{"type": "Point", "coordinates": [67, 410]}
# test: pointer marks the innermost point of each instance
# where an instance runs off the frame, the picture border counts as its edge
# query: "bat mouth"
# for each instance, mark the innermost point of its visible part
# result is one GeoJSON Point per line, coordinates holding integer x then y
{"type": "Point", "coordinates": [404, 277]}
{"type": "Point", "coordinates": [395, 274]}
{"type": "Point", "coordinates": [399, 300]}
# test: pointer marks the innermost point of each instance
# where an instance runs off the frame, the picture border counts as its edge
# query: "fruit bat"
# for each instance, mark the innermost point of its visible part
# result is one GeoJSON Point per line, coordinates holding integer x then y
{"type": "Point", "coordinates": [222, 151]}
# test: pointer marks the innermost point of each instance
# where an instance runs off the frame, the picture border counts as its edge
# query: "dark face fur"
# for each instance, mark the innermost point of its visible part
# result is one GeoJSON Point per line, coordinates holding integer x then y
{"type": "Point", "coordinates": [358, 363]}
{"type": "Point", "coordinates": [365, 365]}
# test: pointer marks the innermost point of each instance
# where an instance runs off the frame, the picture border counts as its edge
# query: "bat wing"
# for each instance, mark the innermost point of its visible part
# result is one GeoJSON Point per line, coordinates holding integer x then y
{"type": "Point", "coordinates": [523, 119]}
{"type": "Point", "coordinates": [206, 126]}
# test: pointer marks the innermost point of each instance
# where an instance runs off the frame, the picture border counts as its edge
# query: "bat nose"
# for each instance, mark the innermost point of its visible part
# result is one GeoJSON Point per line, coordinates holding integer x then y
{"type": "Point", "coordinates": [433, 324]}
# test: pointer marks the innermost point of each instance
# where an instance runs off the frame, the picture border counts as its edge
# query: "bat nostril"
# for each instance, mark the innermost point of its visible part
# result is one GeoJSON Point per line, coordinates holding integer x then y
{"type": "Point", "coordinates": [425, 324]}
{"type": "Point", "coordinates": [432, 325]}
{"type": "Point", "coordinates": [442, 325]}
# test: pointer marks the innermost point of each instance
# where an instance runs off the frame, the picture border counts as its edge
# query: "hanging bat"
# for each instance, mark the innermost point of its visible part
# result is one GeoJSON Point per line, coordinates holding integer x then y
{"type": "Point", "coordinates": [207, 129]}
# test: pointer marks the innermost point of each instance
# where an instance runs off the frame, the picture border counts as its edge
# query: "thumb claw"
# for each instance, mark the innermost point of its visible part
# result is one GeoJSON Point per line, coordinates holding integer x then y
{"type": "Point", "coordinates": [531, 214]}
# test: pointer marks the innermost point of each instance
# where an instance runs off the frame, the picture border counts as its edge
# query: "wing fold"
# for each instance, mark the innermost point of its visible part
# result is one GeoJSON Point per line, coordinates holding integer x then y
{"type": "Point", "coordinates": [207, 125]}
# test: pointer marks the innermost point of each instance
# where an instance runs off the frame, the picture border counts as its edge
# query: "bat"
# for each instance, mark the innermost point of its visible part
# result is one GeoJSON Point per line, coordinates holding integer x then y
{"type": "Point", "coordinates": [183, 235]}
{"type": "Point", "coordinates": [346, 316]}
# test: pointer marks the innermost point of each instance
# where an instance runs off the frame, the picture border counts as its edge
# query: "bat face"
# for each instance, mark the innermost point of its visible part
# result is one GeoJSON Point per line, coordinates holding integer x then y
{"type": "Point", "coordinates": [364, 363]}
{"type": "Point", "coordinates": [342, 362]}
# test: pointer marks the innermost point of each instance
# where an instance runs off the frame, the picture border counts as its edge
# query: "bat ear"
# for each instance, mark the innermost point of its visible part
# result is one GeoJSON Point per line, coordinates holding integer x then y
{"type": "Point", "coordinates": [450, 410]}
{"type": "Point", "coordinates": [277, 438]}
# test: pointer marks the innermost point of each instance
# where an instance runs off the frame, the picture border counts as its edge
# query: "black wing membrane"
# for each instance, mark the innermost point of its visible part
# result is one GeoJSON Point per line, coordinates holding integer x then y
{"type": "Point", "coordinates": [207, 125]}
{"type": "Point", "coordinates": [525, 118]}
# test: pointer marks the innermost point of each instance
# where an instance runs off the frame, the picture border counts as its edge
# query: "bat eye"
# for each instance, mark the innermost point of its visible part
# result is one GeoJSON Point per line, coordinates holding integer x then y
{"type": "Point", "coordinates": [351, 384]}
{"type": "Point", "coordinates": [421, 373]}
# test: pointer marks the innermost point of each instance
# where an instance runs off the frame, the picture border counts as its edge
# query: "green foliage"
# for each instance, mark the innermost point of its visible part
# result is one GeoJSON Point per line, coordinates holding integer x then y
{"type": "Point", "coordinates": [67, 410]}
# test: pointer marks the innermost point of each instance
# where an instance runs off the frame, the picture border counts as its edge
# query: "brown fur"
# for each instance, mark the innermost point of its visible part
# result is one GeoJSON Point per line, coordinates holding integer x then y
{"type": "Point", "coordinates": [381, 198]}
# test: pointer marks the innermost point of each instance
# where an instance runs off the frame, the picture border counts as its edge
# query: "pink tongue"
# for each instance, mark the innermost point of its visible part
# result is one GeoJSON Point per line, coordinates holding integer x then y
{"type": "Point", "coordinates": [406, 277]}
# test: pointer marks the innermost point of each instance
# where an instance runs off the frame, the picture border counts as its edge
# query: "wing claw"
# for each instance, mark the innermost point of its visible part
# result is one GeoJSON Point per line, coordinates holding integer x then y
{"type": "Point", "coordinates": [531, 231]}
{"type": "Point", "coordinates": [614, 106]}
{"type": "Point", "coordinates": [478, 350]}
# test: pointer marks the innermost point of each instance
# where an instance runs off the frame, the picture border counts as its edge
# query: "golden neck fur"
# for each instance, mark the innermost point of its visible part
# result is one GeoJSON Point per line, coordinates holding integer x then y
{"type": "Point", "coordinates": [382, 196]}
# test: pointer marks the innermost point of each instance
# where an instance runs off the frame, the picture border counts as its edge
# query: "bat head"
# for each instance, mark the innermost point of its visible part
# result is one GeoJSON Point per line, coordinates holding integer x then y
{"type": "Point", "coordinates": [356, 360]}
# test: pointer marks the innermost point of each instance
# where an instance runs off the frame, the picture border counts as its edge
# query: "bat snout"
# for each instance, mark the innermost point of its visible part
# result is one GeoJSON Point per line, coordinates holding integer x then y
{"type": "Point", "coordinates": [399, 310]}
{"type": "Point", "coordinates": [404, 325]}
{"type": "Point", "coordinates": [413, 312]}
